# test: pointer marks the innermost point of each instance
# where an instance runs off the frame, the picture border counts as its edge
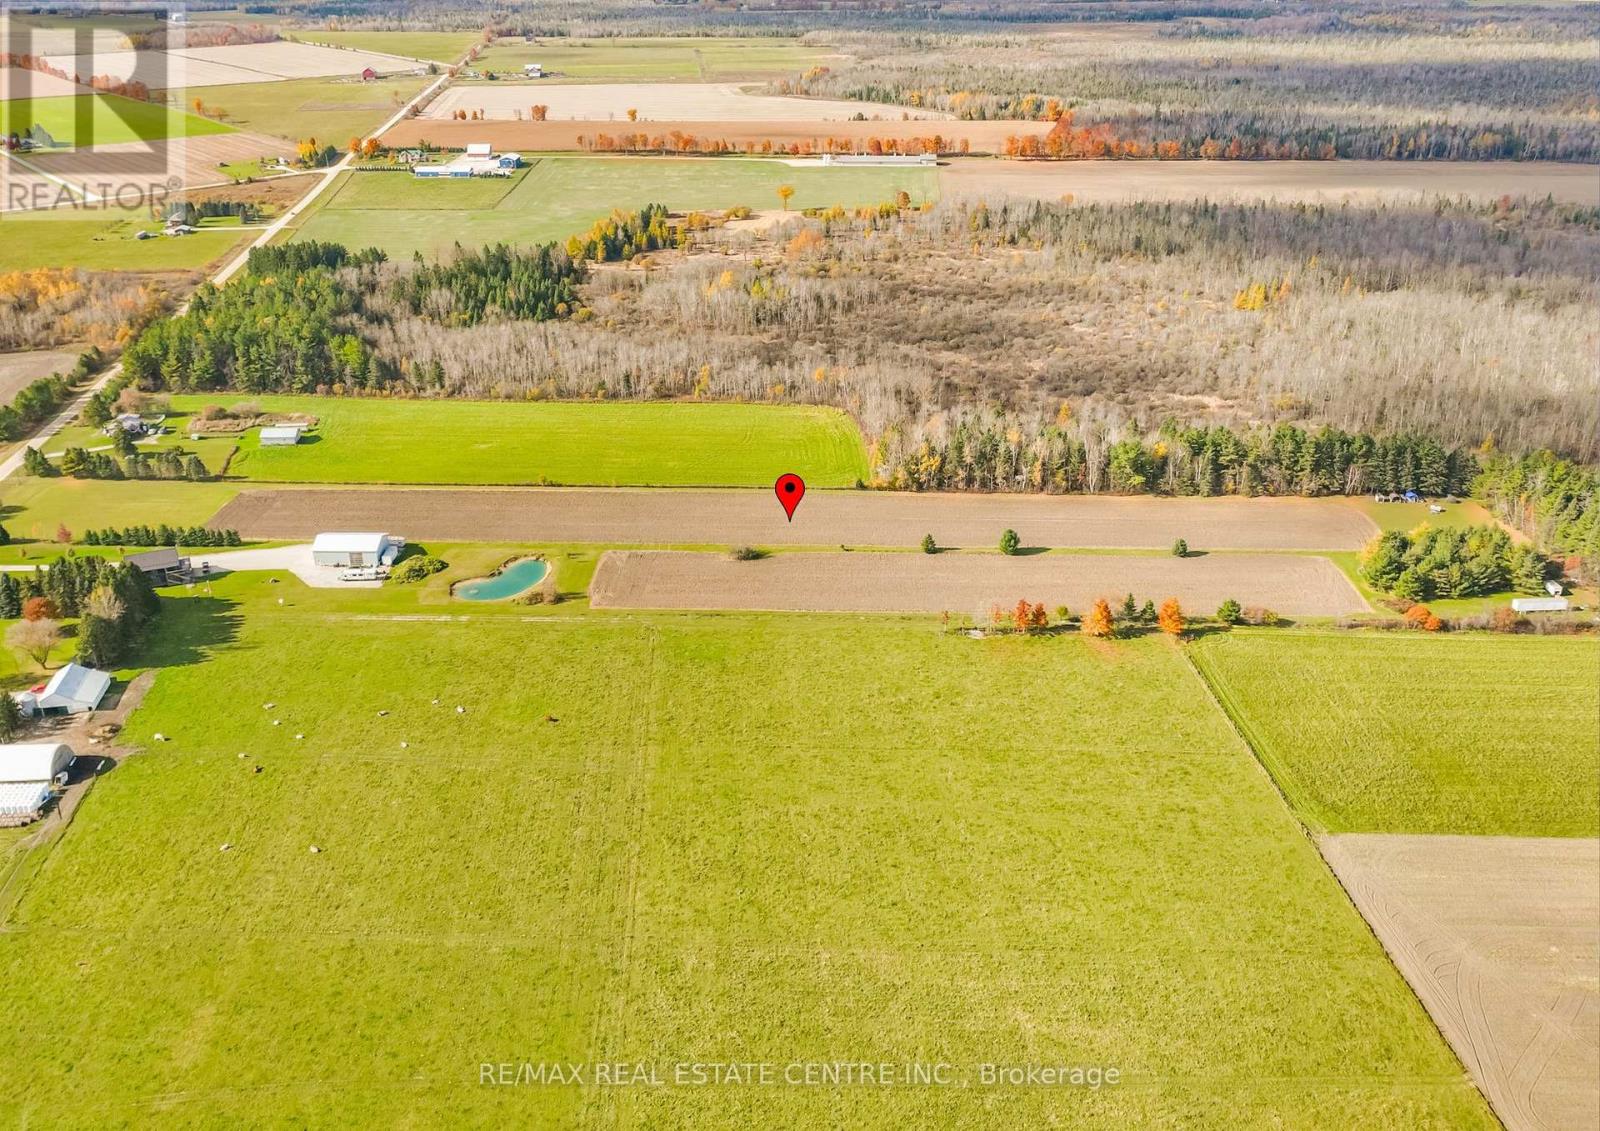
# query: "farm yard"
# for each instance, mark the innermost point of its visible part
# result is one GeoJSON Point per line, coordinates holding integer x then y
{"type": "Point", "coordinates": [967, 584]}
{"type": "Point", "coordinates": [657, 102]}
{"type": "Point", "coordinates": [657, 59]}
{"type": "Point", "coordinates": [1124, 922]}
{"type": "Point", "coordinates": [1414, 733]}
{"type": "Point", "coordinates": [828, 518]}
{"type": "Point", "coordinates": [400, 441]}
{"type": "Point", "coordinates": [562, 196]}
{"type": "Point", "coordinates": [1496, 935]}
{"type": "Point", "coordinates": [1313, 182]}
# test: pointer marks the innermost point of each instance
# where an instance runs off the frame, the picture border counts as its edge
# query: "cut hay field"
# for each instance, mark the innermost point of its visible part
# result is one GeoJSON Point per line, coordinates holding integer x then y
{"type": "Point", "coordinates": [1415, 733]}
{"type": "Point", "coordinates": [695, 862]}
{"type": "Point", "coordinates": [439, 46]}
{"type": "Point", "coordinates": [1295, 585]}
{"type": "Point", "coordinates": [657, 102]}
{"type": "Point", "coordinates": [658, 59]}
{"type": "Point", "coordinates": [103, 119]}
{"type": "Point", "coordinates": [1315, 182]}
{"type": "Point", "coordinates": [327, 109]}
{"type": "Point", "coordinates": [561, 196]}
{"type": "Point", "coordinates": [492, 442]}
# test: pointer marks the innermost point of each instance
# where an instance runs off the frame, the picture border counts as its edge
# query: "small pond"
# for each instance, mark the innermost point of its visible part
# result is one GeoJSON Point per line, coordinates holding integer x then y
{"type": "Point", "coordinates": [514, 579]}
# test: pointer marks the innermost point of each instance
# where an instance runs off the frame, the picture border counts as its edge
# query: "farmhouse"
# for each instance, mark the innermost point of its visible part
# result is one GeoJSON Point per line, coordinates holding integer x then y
{"type": "Point", "coordinates": [162, 567]}
{"type": "Point", "coordinates": [533, 70]}
{"type": "Point", "coordinates": [1539, 604]}
{"type": "Point", "coordinates": [338, 549]}
{"type": "Point", "coordinates": [281, 435]}
{"type": "Point", "coordinates": [27, 771]}
{"type": "Point", "coordinates": [73, 690]}
{"type": "Point", "coordinates": [480, 160]}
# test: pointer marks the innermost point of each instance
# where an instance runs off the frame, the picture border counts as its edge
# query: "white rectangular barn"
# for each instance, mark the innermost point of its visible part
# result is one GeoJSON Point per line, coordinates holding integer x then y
{"type": "Point", "coordinates": [27, 771]}
{"type": "Point", "coordinates": [72, 690]}
{"type": "Point", "coordinates": [281, 435]}
{"type": "Point", "coordinates": [355, 550]}
{"type": "Point", "coordinates": [1539, 604]}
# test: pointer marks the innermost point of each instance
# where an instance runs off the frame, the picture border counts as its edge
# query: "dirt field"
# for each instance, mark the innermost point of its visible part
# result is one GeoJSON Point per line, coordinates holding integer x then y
{"type": "Point", "coordinates": [610, 102]}
{"type": "Point", "coordinates": [195, 67]}
{"type": "Point", "coordinates": [1498, 937]}
{"type": "Point", "coordinates": [194, 160]}
{"type": "Point", "coordinates": [1310, 181]}
{"type": "Point", "coordinates": [20, 369]}
{"type": "Point", "coordinates": [1292, 584]}
{"type": "Point", "coordinates": [826, 518]}
{"type": "Point", "coordinates": [981, 137]}
{"type": "Point", "coordinates": [15, 82]}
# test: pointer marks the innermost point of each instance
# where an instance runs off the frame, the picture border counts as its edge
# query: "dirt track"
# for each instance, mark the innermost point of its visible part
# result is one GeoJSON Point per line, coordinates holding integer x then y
{"type": "Point", "coordinates": [826, 518]}
{"type": "Point", "coordinates": [1498, 936]}
{"type": "Point", "coordinates": [1292, 584]}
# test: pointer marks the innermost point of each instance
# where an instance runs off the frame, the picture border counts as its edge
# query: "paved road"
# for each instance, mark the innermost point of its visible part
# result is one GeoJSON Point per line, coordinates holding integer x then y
{"type": "Point", "coordinates": [826, 518]}
{"type": "Point", "coordinates": [13, 463]}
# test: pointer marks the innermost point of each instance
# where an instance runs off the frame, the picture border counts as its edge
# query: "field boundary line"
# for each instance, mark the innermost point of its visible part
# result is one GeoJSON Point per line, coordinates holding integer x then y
{"type": "Point", "coordinates": [1277, 774]}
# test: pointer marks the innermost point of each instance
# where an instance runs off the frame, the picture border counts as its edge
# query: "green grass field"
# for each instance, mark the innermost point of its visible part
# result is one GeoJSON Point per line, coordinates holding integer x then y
{"type": "Point", "coordinates": [491, 442]}
{"type": "Point", "coordinates": [34, 508]}
{"type": "Point", "coordinates": [921, 848]}
{"type": "Point", "coordinates": [1413, 733]}
{"type": "Point", "coordinates": [440, 46]}
{"type": "Point", "coordinates": [108, 245]}
{"type": "Point", "coordinates": [560, 196]}
{"type": "Point", "coordinates": [658, 59]}
{"type": "Point", "coordinates": [330, 110]}
{"type": "Point", "coordinates": [103, 119]}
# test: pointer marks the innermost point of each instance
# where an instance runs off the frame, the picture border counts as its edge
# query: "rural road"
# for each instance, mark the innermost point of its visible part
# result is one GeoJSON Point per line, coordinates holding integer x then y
{"type": "Point", "coordinates": [826, 518]}
{"type": "Point", "coordinates": [12, 463]}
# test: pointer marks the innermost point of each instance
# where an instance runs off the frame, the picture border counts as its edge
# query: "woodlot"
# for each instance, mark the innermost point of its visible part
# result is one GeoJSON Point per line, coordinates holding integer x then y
{"type": "Point", "coordinates": [1292, 584]}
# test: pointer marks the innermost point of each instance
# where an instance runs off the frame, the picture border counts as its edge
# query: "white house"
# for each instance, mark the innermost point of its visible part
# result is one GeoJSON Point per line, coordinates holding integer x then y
{"type": "Point", "coordinates": [356, 549]}
{"type": "Point", "coordinates": [281, 435]}
{"type": "Point", "coordinates": [73, 690]}
{"type": "Point", "coordinates": [27, 771]}
{"type": "Point", "coordinates": [1539, 604]}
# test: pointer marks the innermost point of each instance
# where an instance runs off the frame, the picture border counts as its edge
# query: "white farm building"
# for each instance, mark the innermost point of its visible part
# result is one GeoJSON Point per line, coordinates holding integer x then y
{"type": "Point", "coordinates": [281, 435]}
{"type": "Point", "coordinates": [73, 690]}
{"type": "Point", "coordinates": [480, 160]}
{"type": "Point", "coordinates": [1539, 604]}
{"type": "Point", "coordinates": [27, 771]}
{"type": "Point", "coordinates": [358, 550]}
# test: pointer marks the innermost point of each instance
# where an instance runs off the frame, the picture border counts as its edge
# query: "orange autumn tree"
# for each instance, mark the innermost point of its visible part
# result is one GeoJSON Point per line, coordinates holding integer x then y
{"type": "Point", "coordinates": [1097, 621]}
{"type": "Point", "coordinates": [1019, 616]}
{"type": "Point", "coordinates": [1420, 616]}
{"type": "Point", "coordinates": [1170, 618]}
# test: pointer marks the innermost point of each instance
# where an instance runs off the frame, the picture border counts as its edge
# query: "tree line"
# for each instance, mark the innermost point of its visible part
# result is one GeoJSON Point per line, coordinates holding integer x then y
{"type": "Point", "coordinates": [162, 535]}
{"type": "Point", "coordinates": [1426, 564]}
{"type": "Point", "coordinates": [1554, 501]}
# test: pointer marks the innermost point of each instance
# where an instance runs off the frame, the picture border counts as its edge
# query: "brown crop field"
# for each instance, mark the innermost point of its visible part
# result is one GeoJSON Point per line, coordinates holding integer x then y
{"type": "Point", "coordinates": [1316, 182]}
{"type": "Point", "coordinates": [980, 137]}
{"type": "Point", "coordinates": [115, 168]}
{"type": "Point", "coordinates": [1497, 937]}
{"type": "Point", "coordinates": [1292, 584]}
{"type": "Point", "coordinates": [826, 518]}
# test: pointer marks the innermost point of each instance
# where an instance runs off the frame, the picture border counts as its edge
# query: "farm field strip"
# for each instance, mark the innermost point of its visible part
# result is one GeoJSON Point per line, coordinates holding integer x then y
{"type": "Point", "coordinates": [657, 102]}
{"type": "Point", "coordinates": [657, 59]}
{"type": "Point", "coordinates": [106, 118]}
{"type": "Point", "coordinates": [1290, 584]}
{"type": "Point", "coordinates": [1417, 733]}
{"type": "Point", "coordinates": [201, 67]}
{"type": "Point", "coordinates": [691, 862]}
{"type": "Point", "coordinates": [1359, 182]}
{"type": "Point", "coordinates": [1497, 937]}
{"type": "Point", "coordinates": [826, 518]}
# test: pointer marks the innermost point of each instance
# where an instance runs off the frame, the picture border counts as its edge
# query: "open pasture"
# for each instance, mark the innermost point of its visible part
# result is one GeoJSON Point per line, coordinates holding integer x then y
{"type": "Point", "coordinates": [656, 102]}
{"type": "Point", "coordinates": [1295, 585]}
{"type": "Point", "coordinates": [1415, 733]}
{"type": "Point", "coordinates": [66, 239]}
{"type": "Point", "coordinates": [1313, 182]}
{"type": "Point", "coordinates": [477, 442]}
{"type": "Point", "coordinates": [633, 844]}
{"type": "Point", "coordinates": [103, 119]}
{"type": "Point", "coordinates": [331, 110]}
{"type": "Point", "coordinates": [562, 196]}
{"type": "Point", "coordinates": [1497, 937]}
{"type": "Point", "coordinates": [658, 59]}
{"type": "Point", "coordinates": [438, 46]}
{"type": "Point", "coordinates": [826, 518]}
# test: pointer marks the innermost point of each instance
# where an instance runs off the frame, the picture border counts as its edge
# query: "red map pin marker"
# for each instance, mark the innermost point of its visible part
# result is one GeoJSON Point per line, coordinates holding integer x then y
{"type": "Point", "coordinates": [790, 489]}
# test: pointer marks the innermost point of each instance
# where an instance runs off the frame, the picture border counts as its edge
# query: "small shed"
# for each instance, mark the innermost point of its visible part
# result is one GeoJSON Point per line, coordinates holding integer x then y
{"type": "Point", "coordinates": [281, 435]}
{"type": "Point", "coordinates": [368, 74]}
{"type": "Point", "coordinates": [27, 771]}
{"type": "Point", "coordinates": [162, 567]}
{"type": "Point", "coordinates": [1553, 588]}
{"type": "Point", "coordinates": [1540, 604]}
{"type": "Point", "coordinates": [364, 549]}
{"type": "Point", "coordinates": [73, 690]}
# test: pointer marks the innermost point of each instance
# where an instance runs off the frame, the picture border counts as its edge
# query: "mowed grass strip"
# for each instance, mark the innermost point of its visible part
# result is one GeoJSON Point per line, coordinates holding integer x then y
{"type": "Point", "coordinates": [1412, 733]}
{"type": "Point", "coordinates": [103, 119]}
{"type": "Point", "coordinates": [878, 856]}
{"type": "Point", "coordinates": [562, 196]}
{"type": "Point", "coordinates": [489, 442]}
